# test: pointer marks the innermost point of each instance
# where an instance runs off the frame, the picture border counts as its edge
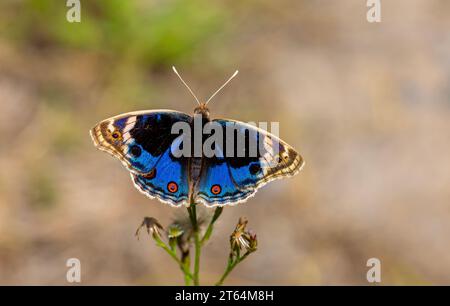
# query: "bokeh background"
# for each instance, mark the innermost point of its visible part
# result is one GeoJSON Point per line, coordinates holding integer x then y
{"type": "Point", "coordinates": [366, 104]}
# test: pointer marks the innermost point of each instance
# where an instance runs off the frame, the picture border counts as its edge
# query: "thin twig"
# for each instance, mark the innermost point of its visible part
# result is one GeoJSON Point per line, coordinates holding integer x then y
{"type": "Point", "coordinates": [231, 265]}
{"type": "Point", "coordinates": [172, 253]}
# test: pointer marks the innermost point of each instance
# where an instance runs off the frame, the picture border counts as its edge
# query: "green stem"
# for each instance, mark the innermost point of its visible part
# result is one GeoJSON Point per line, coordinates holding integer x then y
{"type": "Point", "coordinates": [198, 248]}
{"type": "Point", "coordinates": [217, 213]}
{"type": "Point", "coordinates": [183, 266]}
{"type": "Point", "coordinates": [231, 265]}
{"type": "Point", "coordinates": [193, 216]}
{"type": "Point", "coordinates": [187, 277]}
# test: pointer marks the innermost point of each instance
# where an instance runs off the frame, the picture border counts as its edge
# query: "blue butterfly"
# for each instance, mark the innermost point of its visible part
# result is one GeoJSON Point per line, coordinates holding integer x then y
{"type": "Point", "coordinates": [143, 141]}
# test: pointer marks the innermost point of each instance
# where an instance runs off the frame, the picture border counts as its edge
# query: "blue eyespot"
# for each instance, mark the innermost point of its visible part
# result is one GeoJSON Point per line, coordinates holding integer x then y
{"type": "Point", "coordinates": [254, 169]}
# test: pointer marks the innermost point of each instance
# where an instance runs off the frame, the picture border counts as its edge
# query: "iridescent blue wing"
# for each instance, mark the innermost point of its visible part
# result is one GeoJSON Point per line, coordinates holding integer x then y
{"type": "Point", "coordinates": [167, 181]}
{"type": "Point", "coordinates": [142, 142]}
{"type": "Point", "coordinates": [233, 179]}
{"type": "Point", "coordinates": [217, 187]}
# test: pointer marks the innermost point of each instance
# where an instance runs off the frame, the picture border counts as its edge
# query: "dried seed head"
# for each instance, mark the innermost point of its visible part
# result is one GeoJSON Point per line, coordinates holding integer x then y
{"type": "Point", "coordinates": [241, 239]}
{"type": "Point", "coordinates": [241, 224]}
{"type": "Point", "coordinates": [152, 225]}
{"type": "Point", "coordinates": [253, 241]}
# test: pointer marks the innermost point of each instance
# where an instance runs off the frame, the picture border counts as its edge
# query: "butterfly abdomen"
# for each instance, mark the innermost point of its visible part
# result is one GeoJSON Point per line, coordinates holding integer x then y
{"type": "Point", "coordinates": [195, 168]}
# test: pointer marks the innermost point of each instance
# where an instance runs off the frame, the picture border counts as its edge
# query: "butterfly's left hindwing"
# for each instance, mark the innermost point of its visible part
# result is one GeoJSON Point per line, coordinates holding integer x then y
{"type": "Point", "coordinates": [168, 180]}
{"type": "Point", "coordinates": [233, 179]}
{"type": "Point", "coordinates": [142, 141]}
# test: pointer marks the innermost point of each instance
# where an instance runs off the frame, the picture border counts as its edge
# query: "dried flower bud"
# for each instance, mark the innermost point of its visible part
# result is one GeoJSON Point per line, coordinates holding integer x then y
{"type": "Point", "coordinates": [152, 225]}
{"type": "Point", "coordinates": [241, 239]}
{"type": "Point", "coordinates": [241, 224]}
{"type": "Point", "coordinates": [253, 241]}
{"type": "Point", "coordinates": [238, 241]}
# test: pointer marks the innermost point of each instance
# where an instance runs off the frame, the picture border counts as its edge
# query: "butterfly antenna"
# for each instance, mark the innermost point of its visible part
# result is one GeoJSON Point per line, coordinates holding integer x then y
{"type": "Point", "coordinates": [228, 81]}
{"type": "Point", "coordinates": [190, 90]}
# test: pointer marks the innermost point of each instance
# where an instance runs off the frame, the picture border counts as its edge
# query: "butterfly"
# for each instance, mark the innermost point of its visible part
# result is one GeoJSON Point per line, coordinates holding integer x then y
{"type": "Point", "coordinates": [145, 143]}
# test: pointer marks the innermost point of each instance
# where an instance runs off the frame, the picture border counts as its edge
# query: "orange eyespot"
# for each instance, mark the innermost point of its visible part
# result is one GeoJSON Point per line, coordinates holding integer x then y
{"type": "Point", "coordinates": [172, 187]}
{"type": "Point", "coordinates": [216, 189]}
{"type": "Point", "coordinates": [114, 135]}
{"type": "Point", "coordinates": [151, 174]}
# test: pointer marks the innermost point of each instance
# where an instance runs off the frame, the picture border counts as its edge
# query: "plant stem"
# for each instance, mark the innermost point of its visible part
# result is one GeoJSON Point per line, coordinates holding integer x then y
{"type": "Point", "coordinates": [193, 215]}
{"type": "Point", "coordinates": [187, 278]}
{"type": "Point", "coordinates": [217, 213]}
{"type": "Point", "coordinates": [183, 266]}
{"type": "Point", "coordinates": [198, 248]}
{"type": "Point", "coordinates": [231, 265]}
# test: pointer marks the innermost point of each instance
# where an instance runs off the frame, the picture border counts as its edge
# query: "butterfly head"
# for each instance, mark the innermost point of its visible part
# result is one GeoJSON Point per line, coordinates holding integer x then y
{"type": "Point", "coordinates": [202, 109]}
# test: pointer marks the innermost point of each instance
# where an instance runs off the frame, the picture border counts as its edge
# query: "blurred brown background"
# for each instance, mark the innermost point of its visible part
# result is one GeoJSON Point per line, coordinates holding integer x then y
{"type": "Point", "coordinates": [366, 104]}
